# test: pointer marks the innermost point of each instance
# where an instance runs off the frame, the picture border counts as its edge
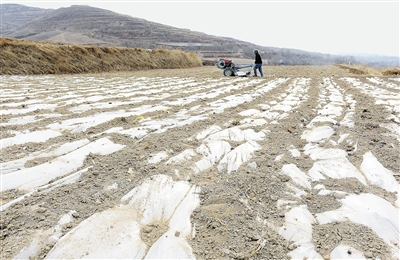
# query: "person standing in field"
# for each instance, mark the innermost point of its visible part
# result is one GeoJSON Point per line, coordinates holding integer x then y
{"type": "Point", "coordinates": [258, 64]}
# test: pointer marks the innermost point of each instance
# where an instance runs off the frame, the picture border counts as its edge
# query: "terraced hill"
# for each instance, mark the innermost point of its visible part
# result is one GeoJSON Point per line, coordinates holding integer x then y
{"type": "Point", "coordinates": [82, 24]}
{"type": "Point", "coordinates": [86, 25]}
{"type": "Point", "coordinates": [14, 16]}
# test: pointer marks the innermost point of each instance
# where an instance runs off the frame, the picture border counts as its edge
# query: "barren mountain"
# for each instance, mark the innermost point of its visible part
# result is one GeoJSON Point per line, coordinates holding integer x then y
{"type": "Point", "coordinates": [81, 24]}
{"type": "Point", "coordinates": [14, 16]}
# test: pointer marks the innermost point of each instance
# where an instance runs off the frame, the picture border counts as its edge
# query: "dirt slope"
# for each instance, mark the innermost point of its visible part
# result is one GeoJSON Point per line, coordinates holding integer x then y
{"type": "Point", "coordinates": [276, 131]}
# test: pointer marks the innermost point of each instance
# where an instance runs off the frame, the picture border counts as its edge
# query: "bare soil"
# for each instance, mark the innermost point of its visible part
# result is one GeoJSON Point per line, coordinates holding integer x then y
{"type": "Point", "coordinates": [226, 226]}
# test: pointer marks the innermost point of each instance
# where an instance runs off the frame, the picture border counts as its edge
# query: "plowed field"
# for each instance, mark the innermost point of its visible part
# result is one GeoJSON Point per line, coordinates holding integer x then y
{"type": "Point", "coordinates": [188, 164]}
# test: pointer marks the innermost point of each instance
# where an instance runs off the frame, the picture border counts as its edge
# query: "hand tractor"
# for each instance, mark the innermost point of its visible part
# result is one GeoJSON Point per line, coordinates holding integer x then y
{"type": "Point", "coordinates": [230, 69]}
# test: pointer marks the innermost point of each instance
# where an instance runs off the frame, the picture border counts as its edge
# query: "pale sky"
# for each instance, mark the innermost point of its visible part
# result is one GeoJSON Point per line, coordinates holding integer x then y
{"type": "Point", "coordinates": [334, 27]}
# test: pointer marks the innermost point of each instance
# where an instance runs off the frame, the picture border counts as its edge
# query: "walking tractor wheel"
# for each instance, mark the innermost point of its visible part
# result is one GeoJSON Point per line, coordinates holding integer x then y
{"type": "Point", "coordinates": [221, 64]}
{"type": "Point", "coordinates": [228, 72]}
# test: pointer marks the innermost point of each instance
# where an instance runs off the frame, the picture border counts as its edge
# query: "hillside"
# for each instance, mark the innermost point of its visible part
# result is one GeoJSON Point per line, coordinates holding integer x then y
{"type": "Point", "coordinates": [82, 24]}
{"type": "Point", "coordinates": [21, 57]}
{"type": "Point", "coordinates": [14, 16]}
{"type": "Point", "coordinates": [87, 25]}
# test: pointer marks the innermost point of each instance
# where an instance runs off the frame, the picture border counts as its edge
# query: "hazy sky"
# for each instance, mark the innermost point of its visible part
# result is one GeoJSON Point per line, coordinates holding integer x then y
{"type": "Point", "coordinates": [321, 26]}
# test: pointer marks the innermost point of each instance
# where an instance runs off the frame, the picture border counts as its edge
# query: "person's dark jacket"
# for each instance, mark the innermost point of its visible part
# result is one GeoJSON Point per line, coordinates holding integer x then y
{"type": "Point", "coordinates": [258, 59]}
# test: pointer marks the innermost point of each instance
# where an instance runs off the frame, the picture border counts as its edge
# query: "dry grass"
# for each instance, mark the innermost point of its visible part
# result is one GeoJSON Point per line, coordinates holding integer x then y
{"type": "Point", "coordinates": [21, 57]}
{"type": "Point", "coordinates": [391, 72]}
{"type": "Point", "coordinates": [368, 71]}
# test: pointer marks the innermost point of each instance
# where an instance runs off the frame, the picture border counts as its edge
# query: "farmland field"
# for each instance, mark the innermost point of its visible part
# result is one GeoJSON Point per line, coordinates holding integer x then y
{"type": "Point", "coordinates": [302, 163]}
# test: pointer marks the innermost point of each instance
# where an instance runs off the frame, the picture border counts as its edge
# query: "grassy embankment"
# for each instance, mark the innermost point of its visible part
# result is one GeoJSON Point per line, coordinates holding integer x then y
{"type": "Point", "coordinates": [21, 57]}
{"type": "Point", "coordinates": [368, 71]}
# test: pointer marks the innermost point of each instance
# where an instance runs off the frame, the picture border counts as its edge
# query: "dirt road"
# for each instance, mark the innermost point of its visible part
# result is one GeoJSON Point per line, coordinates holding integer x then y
{"type": "Point", "coordinates": [302, 163]}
